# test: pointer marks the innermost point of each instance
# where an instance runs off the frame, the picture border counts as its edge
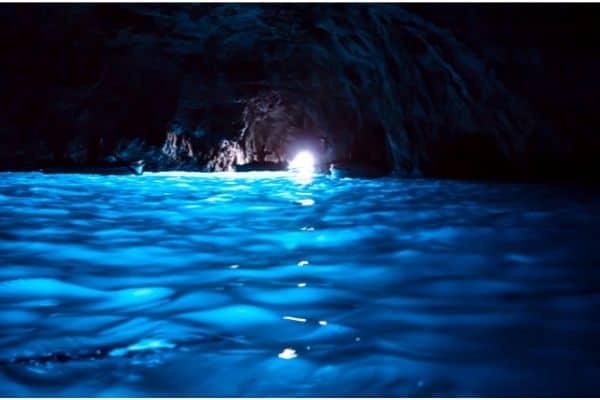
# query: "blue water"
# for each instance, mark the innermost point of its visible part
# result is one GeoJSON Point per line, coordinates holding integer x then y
{"type": "Point", "coordinates": [274, 284]}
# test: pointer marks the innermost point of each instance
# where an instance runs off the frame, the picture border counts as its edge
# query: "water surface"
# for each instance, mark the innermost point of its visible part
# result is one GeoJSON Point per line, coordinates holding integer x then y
{"type": "Point", "coordinates": [273, 284]}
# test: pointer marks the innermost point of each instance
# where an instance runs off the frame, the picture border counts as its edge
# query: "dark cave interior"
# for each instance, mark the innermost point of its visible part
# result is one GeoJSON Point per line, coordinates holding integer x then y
{"type": "Point", "coordinates": [475, 91]}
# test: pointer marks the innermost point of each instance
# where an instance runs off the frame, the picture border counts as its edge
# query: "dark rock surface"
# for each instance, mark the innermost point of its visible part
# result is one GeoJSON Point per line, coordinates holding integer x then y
{"type": "Point", "coordinates": [447, 91]}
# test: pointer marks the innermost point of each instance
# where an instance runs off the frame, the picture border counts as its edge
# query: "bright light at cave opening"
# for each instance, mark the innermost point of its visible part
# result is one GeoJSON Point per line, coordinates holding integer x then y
{"type": "Point", "coordinates": [303, 162]}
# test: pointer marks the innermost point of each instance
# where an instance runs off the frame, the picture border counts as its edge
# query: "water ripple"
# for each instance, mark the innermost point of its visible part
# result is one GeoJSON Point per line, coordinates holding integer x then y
{"type": "Point", "coordinates": [265, 284]}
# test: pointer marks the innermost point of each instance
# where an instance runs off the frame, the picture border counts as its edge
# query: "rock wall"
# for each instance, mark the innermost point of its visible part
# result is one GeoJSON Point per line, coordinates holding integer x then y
{"type": "Point", "coordinates": [207, 86]}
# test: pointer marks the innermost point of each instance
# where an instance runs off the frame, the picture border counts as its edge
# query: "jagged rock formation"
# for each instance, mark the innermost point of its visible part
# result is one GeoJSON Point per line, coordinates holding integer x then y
{"type": "Point", "coordinates": [208, 86]}
{"type": "Point", "coordinates": [226, 156]}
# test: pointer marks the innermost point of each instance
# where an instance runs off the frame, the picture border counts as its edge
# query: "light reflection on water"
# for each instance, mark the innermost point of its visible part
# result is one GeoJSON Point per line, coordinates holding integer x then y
{"type": "Point", "coordinates": [263, 284]}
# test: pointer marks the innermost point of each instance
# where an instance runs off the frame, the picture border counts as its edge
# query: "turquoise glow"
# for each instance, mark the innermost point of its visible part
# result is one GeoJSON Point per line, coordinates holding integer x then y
{"type": "Point", "coordinates": [267, 284]}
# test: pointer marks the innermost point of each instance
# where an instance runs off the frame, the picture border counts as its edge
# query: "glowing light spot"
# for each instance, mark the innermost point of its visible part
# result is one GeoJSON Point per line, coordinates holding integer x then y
{"type": "Point", "coordinates": [234, 266]}
{"type": "Point", "coordinates": [357, 339]}
{"type": "Point", "coordinates": [288, 354]}
{"type": "Point", "coordinates": [303, 162]}
{"type": "Point", "coordinates": [302, 284]}
{"type": "Point", "coordinates": [306, 202]}
{"type": "Point", "coordinates": [307, 228]}
{"type": "Point", "coordinates": [296, 319]}
{"type": "Point", "coordinates": [303, 166]}
{"type": "Point", "coordinates": [302, 263]}
{"type": "Point", "coordinates": [322, 323]}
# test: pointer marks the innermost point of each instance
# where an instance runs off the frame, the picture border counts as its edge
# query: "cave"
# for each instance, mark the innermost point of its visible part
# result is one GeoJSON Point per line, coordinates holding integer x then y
{"type": "Point", "coordinates": [410, 83]}
{"type": "Point", "coordinates": [299, 200]}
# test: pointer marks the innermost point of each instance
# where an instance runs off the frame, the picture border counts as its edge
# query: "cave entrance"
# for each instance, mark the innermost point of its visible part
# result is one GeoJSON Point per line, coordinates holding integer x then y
{"type": "Point", "coordinates": [277, 128]}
